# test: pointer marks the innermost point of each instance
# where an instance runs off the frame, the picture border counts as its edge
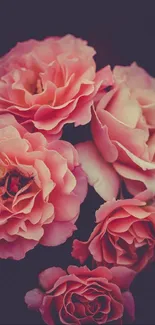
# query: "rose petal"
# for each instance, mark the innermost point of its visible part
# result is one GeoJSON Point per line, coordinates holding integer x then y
{"type": "Point", "coordinates": [34, 298]}
{"type": "Point", "coordinates": [17, 248]}
{"type": "Point", "coordinates": [100, 174]}
{"type": "Point", "coordinates": [57, 233]}
{"type": "Point", "coordinates": [129, 306]}
{"type": "Point", "coordinates": [49, 276]}
{"type": "Point", "coordinates": [106, 208]}
{"type": "Point", "coordinates": [123, 276]}
{"type": "Point", "coordinates": [122, 104]}
{"type": "Point", "coordinates": [95, 249]}
{"type": "Point", "coordinates": [101, 138]}
{"type": "Point", "coordinates": [70, 204]}
{"type": "Point", "coordinates": [131, 173]}
{"type": "Point", "coordinates": [66, 150]}
{"type": "Point", "coordinates": [100, 271]}
{"type": "Point", "coordinates": [80, 250]}
{"type": "Point", "coordinates": [134, 140]}
{"type": "Point", "coordinates": [45, 310]}
{"type": "Point", "coordinates": [81, 187]}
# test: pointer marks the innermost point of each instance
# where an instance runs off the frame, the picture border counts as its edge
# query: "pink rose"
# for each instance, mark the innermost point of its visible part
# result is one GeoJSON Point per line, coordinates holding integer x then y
{"type": "Point", "coordinates": [41, 188]}
{"type": "Point", "coordinates": [81, 296]}
{"type": "Point", "coordinates": [123, 129]}
{"type": "Point", "coordinates": [124, 235]}
{"type": "Point", "coordinates": [49, 83]}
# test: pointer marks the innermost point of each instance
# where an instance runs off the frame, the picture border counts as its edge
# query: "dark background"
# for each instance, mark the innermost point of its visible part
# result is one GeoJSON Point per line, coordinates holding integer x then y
{"type": "Point", "coordinates": [121, 32]}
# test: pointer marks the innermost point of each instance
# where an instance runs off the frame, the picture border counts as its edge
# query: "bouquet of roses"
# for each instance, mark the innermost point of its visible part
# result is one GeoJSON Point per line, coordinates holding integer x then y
{"type": "Point", "coordinates": [44, 86]}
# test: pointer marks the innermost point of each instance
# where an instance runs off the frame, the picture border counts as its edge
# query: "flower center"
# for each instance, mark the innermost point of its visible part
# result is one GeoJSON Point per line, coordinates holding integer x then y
{"type": "Point", "coordinates": [35, 87]}
{"type": "Point", "coordinates": [108, 88]}
{"type": "Point", "coordinates": [39, 87]}
{"type": "Point", "coordinates": [12, 182]}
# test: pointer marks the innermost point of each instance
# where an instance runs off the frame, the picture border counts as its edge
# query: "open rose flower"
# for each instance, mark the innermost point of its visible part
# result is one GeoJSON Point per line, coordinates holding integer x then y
{"type": "Point", "coordinates": [49, 83]}
{"type": "Point", "coordinates": [81, 296]}
{"type": "Point", "coordinates": [123, 129]}
{"type": "Point", "coordinates": [41, 188]}
{"type": "Point", "coordinates": [124, 235]}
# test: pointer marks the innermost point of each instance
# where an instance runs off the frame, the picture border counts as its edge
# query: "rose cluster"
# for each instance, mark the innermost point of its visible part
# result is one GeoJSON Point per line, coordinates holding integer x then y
{"type": "Point", "coordinates": [44, 86]}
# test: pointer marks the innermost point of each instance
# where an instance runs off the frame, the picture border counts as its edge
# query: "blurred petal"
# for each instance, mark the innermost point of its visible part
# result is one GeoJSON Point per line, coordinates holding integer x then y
{"type": "Point", "coordinates": [34, 298]}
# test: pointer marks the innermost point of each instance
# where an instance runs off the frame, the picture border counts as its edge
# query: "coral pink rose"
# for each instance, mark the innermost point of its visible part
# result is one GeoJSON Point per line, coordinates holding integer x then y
{"type": "Point", "coordinates": [81, 296]}
{"type": "Point", "coordinates": [124, 235]}
{"type": "Point", "coordinates": [123, 129]}
{"type": "Point", "coordinates": [41, 188]}
{"type": "Point", "coordinates": [49, 83]}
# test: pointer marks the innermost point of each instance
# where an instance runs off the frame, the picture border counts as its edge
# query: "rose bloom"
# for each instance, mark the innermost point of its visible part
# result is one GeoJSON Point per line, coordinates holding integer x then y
{"type": "Point", "coordinates": [49, 83]}
{"type": "Point", "coordinates": [123, 130]}
{"type": "Point", "coordinates": [81, 296]}
{"type": "Point", "coordinates": [41, 188]}
{"type": "Point", "coordinates": [124, 235]}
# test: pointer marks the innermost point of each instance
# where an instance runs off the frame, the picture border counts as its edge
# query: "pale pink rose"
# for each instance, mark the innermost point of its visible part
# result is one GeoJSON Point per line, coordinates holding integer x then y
{"type": "Point", "coordinates": [124, 235]}
{"type": "Point", "coordinates": [47, 84]}
{"type": "Point", "coordinates": [81, 296]}
{"type": "Point", "coordinates": [123, 129]}
{"type": "Point", "coordinates": [41, 188]}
